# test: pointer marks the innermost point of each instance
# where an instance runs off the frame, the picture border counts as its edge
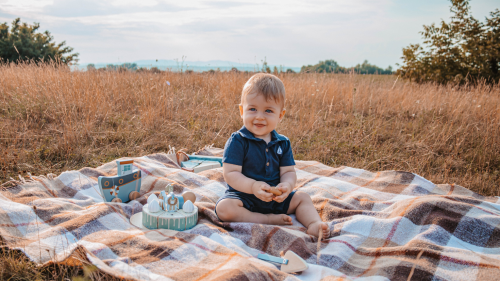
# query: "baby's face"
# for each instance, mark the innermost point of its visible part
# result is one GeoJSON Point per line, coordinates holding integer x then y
{"type": "Point", "coordinates": [260, 116]}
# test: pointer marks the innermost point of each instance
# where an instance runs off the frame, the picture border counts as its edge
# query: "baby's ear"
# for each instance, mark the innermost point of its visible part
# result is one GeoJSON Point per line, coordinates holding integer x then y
{"type": "Point", "coordinates": [241, 110]}
{"type": "Point", "coordinates": [282, 114]}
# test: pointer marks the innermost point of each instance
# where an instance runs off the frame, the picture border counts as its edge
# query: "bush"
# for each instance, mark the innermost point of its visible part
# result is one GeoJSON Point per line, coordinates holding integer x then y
{"type": "Point", "coordinates": [459, 51]}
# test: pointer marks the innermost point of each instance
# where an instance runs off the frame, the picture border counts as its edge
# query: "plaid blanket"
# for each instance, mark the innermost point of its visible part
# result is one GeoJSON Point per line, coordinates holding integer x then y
{"type": "Point", "coordinates": [385, 225]}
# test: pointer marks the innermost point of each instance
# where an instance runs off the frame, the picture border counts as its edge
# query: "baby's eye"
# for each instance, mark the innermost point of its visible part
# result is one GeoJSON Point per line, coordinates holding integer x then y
{"type": "Point", "coordinates": [269, 111]}
{"type": "Point", "coordinates": [253, 109]}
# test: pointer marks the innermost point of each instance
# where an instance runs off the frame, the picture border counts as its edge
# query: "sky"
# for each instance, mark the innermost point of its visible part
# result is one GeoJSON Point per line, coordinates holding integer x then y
{"type": "Point", "coordinates": [290, 33]}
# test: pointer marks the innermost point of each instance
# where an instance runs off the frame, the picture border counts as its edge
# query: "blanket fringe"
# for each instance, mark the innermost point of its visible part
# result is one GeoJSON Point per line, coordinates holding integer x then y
{"type": "Point", "coordinates": [22, 180]}
{"type": "Point", "coordinates": [11, 182]}
{"type": "Point", "coordinates": [414, 265]}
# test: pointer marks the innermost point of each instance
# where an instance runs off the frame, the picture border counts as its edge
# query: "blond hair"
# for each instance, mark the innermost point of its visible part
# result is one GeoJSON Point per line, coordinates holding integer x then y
{"type": "Point", "coordinates": [267, 85]}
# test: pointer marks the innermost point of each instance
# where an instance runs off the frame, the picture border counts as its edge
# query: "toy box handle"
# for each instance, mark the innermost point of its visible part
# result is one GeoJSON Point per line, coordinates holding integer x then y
{"type": "Point", "coordinates": [178, 156]}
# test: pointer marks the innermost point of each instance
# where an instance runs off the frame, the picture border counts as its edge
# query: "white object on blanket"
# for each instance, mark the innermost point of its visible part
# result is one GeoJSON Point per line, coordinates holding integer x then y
{"type": "Point", "coordinates": [188, 207]}
{"type": "Point", "coordinates": [152, 197]}
{"type": "Point", "coordinates": [290, 262]}
{"type": "Point", "coordinates": [154, 206]}
{"type": "Point", "coordinates": [200, 165]}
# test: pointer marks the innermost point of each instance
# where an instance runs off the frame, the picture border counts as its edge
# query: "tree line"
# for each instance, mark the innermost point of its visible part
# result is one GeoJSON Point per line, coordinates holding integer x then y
{"type": "Point", "coordinates": [331, 66]}
{"type": "Point", "coordinates": [124, 66]}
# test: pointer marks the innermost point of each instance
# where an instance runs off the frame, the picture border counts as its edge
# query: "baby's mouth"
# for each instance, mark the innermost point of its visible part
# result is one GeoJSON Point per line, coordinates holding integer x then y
{"type": "Point", "coordinates": [259, 125]}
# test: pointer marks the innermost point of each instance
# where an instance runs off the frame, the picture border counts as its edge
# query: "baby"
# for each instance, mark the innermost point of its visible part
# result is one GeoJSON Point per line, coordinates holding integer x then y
{"type": "Point", "coordinates": [257, 158]}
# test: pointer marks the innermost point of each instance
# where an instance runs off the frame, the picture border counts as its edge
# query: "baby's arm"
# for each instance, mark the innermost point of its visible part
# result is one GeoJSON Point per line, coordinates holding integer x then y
{"type": "Point", "coordinates": [238, 181]}
{"type": "Point", "coordinates": [288, 178]}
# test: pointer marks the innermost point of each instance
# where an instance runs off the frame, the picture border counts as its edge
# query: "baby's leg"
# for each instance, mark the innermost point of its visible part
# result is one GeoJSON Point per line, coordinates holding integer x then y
{"type": "Point", "coordinates": [307, 215]}
{"type": "Point", "coordinates": [232, 210]}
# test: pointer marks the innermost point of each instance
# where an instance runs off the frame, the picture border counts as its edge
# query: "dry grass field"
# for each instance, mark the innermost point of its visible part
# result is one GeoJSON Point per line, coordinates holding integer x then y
{"type": "Point", "coordinates": [52, 120]}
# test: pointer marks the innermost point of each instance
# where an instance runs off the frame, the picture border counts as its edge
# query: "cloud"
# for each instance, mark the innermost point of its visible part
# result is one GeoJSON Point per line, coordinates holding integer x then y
{"type": "Point", "coordinates": [92, 8]}
{"type": "Point", "coordinates": [25, 6]}
{"type": "Point", "coordinates": [195, 11]}
{"type": "Point", "coordinates": [289, 32]}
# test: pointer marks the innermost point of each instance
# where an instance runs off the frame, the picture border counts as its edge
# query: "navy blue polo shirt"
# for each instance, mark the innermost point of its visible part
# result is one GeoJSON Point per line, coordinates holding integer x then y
{"type": "Point", "coordinates": [259, 160]}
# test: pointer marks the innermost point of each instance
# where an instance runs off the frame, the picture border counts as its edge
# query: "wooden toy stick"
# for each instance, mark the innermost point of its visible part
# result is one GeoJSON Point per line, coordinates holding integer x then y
{"type": "Point", "coordinates": [320, 237]}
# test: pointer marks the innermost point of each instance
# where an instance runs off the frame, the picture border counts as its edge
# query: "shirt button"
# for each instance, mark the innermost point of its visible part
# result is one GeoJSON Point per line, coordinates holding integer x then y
{"type": "Point", "coordinates": [267, 164]}
{"type": "Point", "coordinates": [267, 150]}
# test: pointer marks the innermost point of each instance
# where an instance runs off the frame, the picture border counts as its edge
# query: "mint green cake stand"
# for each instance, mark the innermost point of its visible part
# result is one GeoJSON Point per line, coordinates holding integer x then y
{"type": "Point", "coordinates": [166, 220]}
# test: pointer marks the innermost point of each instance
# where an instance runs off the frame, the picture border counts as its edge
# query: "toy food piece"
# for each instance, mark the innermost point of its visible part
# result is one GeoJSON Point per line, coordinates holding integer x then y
{"type": "Point", "coordinates": [295, 263]}
{"type": "Point", "coordinates": [171, 203]}
{"type": "Point", "coordinates": [189, 196]}
{"type": "Point", "coordinates": [274, 190]}
{"type": "Point", "coordinates": [154, 206]}
{"type": "Point", "coordinates": [134, 195]}
{"type": "Point", "coordinates": [188, 207]}
{"type": "Point", "coordinates": [116, 200]}
{"type": "Point", "coordinates": [163, 195]}
{"type": "Point", "coordinates": [290, 262]}
{"type": "Point", "coordinates": [152, 197]}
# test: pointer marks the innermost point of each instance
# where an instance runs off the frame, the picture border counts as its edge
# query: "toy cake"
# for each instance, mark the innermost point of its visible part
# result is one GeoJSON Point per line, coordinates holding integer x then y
{"type": "Point", "coordinates": [170, 211]}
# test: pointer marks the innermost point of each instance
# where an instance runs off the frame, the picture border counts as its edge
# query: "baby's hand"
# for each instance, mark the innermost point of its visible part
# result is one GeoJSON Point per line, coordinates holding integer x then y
{"type": "Point", "coordinates": [285, 188]}
{"type": "Point", "coordinates": [261, 190]}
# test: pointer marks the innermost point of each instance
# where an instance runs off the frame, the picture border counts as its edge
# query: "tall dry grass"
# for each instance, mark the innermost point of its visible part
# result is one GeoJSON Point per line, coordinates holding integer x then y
{"type": "Point", "coordinates": [54, 120]}
{"type": "Point", "coordinates": [14, 265]}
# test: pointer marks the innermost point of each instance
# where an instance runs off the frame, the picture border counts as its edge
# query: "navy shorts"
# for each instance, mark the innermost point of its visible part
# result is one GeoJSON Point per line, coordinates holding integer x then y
{"type": "Point", "coordinates": [254, 204]}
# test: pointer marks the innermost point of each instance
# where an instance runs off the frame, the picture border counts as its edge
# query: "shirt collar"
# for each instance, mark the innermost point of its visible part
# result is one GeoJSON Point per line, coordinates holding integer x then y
{"type": "Point", "coordinates": [244, 132]}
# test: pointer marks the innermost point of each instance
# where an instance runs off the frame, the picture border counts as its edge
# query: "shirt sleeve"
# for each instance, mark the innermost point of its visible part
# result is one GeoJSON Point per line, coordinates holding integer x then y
{"type": "Point", "coordinates": [287, 159]}
{"type": "Point", "coordinates": [234, 150]}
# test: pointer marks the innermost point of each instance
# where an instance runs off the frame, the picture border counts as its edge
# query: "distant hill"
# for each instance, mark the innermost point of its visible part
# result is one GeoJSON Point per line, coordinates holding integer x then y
{"type": "Point", "coordinates": [197, 66]}
{"type": "Point", "coordinates": [194, 63]}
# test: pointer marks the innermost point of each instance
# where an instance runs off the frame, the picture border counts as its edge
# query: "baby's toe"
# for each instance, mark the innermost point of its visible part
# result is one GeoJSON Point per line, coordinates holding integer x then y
{"type": "Point", "coordinates": [287, 219]}
{"type": "Point", "coordinates": [325, 229]}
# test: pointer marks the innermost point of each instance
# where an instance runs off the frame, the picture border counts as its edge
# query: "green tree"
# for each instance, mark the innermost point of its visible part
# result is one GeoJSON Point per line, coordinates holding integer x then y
{"type": "Point", "coordinates": [23, 42]}
{"type": "Point", "coordinates": [331, 66]}
{"type": "Point", "coordinates": [462, 50]}
{"type": "Point", "coordinates": [129, 66]}
{"type": "Point", "coordinates": [366, 68]}
{"type": "Point", "coordinates": [327, 66]}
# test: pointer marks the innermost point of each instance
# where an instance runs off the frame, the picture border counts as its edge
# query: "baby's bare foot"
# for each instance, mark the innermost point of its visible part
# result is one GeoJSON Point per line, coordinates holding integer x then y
{"type": "Point", "coordinates": [314, 228]}
{"type": "Point", "coordinates": [280, 219]}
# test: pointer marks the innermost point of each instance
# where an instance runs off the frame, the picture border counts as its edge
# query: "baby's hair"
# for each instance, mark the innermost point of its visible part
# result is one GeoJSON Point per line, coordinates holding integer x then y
{"type": "Point", "coordinates": [267, 85]}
